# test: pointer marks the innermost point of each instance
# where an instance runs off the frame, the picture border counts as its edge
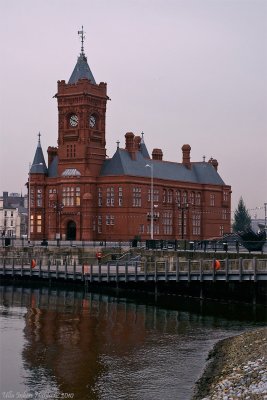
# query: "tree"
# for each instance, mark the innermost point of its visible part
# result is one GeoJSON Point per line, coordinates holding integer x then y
{"type": "Point", "coordinates": [242, 219]}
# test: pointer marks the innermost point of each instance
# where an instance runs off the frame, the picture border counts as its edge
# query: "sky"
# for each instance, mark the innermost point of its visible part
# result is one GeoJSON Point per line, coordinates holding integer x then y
{"type": "Point", "coordinates": [181, 71]}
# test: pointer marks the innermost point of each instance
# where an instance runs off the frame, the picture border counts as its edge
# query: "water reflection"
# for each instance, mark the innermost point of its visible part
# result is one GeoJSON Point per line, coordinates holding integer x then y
{"type": "Point", "coordinates": [93, 346]}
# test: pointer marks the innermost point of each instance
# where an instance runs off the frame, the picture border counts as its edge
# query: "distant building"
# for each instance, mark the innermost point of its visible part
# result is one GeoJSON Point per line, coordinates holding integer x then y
{"type": "Point", "coordinates": [13, 215]}
{"type": "Point", "coordinates": [257, 224]}
{"type": "Point", "coordinates": [83, 195]}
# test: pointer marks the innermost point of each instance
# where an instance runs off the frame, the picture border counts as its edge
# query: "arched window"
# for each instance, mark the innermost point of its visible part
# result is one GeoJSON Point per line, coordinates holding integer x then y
{"type": "Point", "coordinates": [198, 199]}
{"type": "Point", "coordinates": [184, 197]}
{"type": "Point", "coordinates": [178, 197]}
{"type": "Point", "coordinates": [192, 198]}
{"type": "Point", "coordinates": [169, 200]}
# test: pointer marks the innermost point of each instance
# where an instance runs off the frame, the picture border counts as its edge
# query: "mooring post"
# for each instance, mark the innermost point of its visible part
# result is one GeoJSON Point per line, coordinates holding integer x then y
{"type": "Point", "coordinates": [66, 269]}
{"type": "Point", "coordinates": [201, 272]}
{"type": "Point", "coordinates": [240, 268]}
{"type": "Point", "coordinates": [48, 268]}
{"type": "Point", "coordinates": [166, 270]}
{"type": "Point", "coordinates": [117, 272]}
{"type": "Point", "coordinates": [155, 274]}
{"type": "Point", "coordinates": [21, 269]}
{"type": "Point", "coordinates": [255, 268]}
{"type": "Point", "coordinates": [99, 271]}
{"type": "Point", "coordinates": [4, 265]}
{"type": "Point", "coordinates": [126, 271]}
{"type": "Point", "coordinates": [189, 270]}
{"type": "Point", "coordinates": [13, 266]}
{"type": "Point", "coordinates": [40, 268]}
{"type": "Point", "coordinates": [226, 262]}
{"type": "Point", "coordinates": [156, 290]}
{"type": "Point", "coordinates": [57, 269]}
{"type": "Point", "coordinates": [135, 271]}
{"type": "Point", "coordinates": [91, 273]}
{"type": "Point", "coordinates": [108, 271]}
{"type": "Point", "coordinates": [74, 270]}
{"type": "Point", "coordinates": [254, 300]}
{"type": "Point", "coordinates": [177, 269]}
{"type": "Point", "coordinates": [201, 290]}
{"type": "Point", "coordinates": [145, 271]}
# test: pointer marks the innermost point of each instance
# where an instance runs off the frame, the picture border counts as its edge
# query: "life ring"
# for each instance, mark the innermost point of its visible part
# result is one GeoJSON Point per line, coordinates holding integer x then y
{"type": "Point", "coordinates": [217, 264]}
{"type": "Point", "coordinates": [33, 263]}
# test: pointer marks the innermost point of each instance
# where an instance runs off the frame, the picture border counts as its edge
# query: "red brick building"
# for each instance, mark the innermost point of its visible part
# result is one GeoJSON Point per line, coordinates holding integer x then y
{"type": "Point", "coordinates": [83, 195]}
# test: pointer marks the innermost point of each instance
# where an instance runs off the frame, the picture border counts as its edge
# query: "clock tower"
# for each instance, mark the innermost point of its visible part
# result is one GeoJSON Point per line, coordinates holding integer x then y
{"type": "Point", "coordinates": [81, 121]}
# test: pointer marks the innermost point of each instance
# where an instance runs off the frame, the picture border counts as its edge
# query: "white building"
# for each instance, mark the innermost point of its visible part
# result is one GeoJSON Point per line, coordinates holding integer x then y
{"type": "Point", "coordinates": [13, 215]}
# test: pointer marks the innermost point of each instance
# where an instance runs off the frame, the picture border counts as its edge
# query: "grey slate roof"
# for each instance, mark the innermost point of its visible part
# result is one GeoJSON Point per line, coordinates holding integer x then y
{"type": "Point", "coordinates": [122, 164]}
{"type": "Point", "coordinates": [38, 165]}
{"type": "Point", "coordinates": [144, 150]}
{"type": "Point", "coordinates": [81, 70]}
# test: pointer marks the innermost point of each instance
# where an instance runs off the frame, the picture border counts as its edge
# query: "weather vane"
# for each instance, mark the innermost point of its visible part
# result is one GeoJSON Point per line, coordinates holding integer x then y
{"type": "Point", "coordinates": [81, 33]}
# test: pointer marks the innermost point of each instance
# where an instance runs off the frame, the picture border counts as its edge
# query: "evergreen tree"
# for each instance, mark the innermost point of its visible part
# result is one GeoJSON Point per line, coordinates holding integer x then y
{"type": "Point", "coordinates": [242, 219]}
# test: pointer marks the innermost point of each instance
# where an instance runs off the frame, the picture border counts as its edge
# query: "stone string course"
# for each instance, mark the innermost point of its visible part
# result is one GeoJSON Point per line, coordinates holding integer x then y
{"type": "Point", "coordinates": [237, 369]}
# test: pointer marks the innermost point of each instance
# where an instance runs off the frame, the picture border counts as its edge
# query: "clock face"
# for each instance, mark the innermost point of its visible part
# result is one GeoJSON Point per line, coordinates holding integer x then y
{"type": "Point", "coordinates": [92, 121]}
{"type": "Point", "coordinates": [73, 120]}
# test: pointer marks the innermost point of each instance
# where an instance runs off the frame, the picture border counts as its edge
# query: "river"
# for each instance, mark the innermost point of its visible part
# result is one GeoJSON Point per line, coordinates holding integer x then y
{"type": "Point", "coordinates": [60, 343]}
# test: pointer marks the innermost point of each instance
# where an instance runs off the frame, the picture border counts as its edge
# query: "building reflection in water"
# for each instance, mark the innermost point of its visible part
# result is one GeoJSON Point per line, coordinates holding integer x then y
{"type": "Point", "coordinates": [97, 346]}
{"type": "Point", "coordinates": [67, 334]}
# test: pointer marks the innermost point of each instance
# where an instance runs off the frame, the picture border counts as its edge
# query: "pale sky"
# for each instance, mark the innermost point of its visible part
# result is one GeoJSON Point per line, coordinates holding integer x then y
{"type": "Point", "coordinates": [182, 71]}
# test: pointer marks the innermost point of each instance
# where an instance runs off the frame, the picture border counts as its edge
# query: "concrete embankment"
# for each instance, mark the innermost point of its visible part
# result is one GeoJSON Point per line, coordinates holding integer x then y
{"type": "Point", "coordinates": [236, 369]}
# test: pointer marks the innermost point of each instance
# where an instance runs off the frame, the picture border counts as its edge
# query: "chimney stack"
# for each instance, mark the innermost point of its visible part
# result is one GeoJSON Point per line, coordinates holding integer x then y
{"type": "Point", "coordinates": [129, 144]}
{"type": "Point", "coordinates": [157, 154]}
{"type": "Point", "coordinates": [52, 152]}
{"type": "Point", "coordinates": [214, 163]}
{"type": "Point", "coordinates": [186, 155]}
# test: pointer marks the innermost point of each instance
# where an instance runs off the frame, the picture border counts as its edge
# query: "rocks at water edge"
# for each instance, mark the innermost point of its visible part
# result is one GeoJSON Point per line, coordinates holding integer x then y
{"type": "Point", "coordinates": [237, 369]}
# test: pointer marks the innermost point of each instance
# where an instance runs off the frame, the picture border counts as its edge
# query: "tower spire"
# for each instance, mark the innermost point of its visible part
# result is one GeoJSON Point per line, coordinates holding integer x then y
{"type": "Point", "coordinates": [39, 139]}
{"type": "Point", "coordinates": [81, 33]}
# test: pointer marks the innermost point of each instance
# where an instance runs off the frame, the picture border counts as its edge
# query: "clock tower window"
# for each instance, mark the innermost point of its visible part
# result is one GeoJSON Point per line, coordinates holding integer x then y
{"type": "Point", "coordinates": [71, 150]}
{"type": "Point", "coordinates": [92, 121]}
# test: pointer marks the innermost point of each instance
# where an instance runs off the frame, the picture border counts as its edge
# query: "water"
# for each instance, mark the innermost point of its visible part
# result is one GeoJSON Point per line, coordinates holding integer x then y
{"type": "Point", "coordinates": [59, 344]}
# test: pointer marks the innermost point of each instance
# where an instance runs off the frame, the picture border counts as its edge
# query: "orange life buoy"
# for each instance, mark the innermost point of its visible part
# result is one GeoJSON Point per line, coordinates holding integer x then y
{"type": "Point", "coordinates": [33, 263]}
{"type": "Point", "coordinates": [217, 264]}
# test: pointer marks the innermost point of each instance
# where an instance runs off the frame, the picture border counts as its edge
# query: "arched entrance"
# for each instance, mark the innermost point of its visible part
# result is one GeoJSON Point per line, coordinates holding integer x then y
{"type": "Point", "coordinates": [71, 230]}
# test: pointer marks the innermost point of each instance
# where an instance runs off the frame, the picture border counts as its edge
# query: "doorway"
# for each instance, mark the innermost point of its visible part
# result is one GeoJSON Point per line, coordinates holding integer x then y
{"type": "Point", "coordinates": [71, 230]}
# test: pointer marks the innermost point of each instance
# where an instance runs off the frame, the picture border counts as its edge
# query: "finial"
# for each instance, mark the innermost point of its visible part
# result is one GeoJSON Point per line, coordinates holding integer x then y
{"type": "Point", "coordinates": [81, 33]}
{"type": "Point", "coordinates": [142, 134]}
{"type": "Point", "coordinates": [118, 143]}
{"type": "Point", "coordinates": [204, 158]}
{"type": "Point", "coordinates": [39, 139]}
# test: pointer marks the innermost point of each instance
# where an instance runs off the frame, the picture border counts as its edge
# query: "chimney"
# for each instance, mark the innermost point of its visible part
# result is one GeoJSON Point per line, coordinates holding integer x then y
{"type": "Point", "coordinates": [214, 163]}
{"type": "Point", "coordinates": [129, 144]}
{"type": "Point", "coordinates": [52, 152]}
{"type": "Point", "coordinates": [157, 154]}
{"type": "Point", "coordinates": [186, 155]}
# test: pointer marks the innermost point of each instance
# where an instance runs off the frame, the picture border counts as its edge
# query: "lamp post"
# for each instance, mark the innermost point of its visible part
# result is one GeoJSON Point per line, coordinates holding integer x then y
{"type": "Point", "coordinates": [29, 200]}
{"type": "Point", "coordinates": [265, 217]}
{"type": "Point", "coordinates": [58, 207]}
{"type": "Point", "coordinates": [183, 208]}
{"type": "Point", "coordinates": [151, 201]}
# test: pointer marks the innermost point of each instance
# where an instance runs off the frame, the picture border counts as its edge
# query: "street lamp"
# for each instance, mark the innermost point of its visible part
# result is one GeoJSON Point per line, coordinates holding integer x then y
{"type": "Point", "coordinates": [29, 200]}
{"type": "Point", "coordinates": [151, 202]}
{"type": "Point", "coordinates": [58, 207]}
{"type": "Point", "coordinates": [183, 208]}
{"type": "Point", "coordinates": [265, 217]}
